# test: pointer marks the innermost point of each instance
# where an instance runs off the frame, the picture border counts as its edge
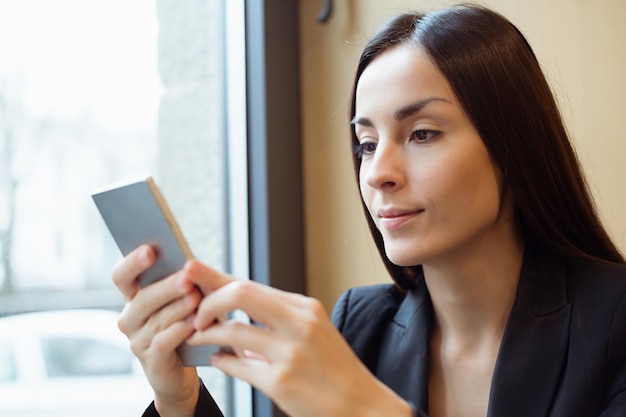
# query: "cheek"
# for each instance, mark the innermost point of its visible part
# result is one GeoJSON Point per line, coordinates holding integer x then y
{"type": "Point", "coordinates": [465, 185]}
{"type": "Point", "coordinates": [478, 187]}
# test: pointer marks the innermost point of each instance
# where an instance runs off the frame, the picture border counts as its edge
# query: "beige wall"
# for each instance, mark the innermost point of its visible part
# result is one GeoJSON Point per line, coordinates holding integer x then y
{"type": "Point", "coordinates": [580, 44]}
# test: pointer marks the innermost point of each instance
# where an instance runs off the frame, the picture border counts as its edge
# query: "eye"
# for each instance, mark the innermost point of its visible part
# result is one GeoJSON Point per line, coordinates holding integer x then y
{"type": "Point", "coordinates": [424, 135]}
{"type": "Point", "coordinates": [364, 148]}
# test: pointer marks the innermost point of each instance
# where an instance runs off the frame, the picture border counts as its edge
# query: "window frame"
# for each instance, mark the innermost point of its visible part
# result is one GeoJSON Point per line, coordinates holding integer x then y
{"type": "Point", "coordinates": [274, 153]}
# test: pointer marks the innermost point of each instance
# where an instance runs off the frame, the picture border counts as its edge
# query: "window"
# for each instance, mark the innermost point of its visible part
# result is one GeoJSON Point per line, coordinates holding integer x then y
{"type": "Point", "coordinates": [92, 93]}
{"type": "Point", "coordinates": [7, 362]}
{"type": "Point", "coordinates": [68, 357]}
{"type": "Point", "coordinates": [99, 91]}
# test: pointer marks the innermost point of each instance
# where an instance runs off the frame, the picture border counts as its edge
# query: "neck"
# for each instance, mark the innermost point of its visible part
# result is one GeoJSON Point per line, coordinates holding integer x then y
{"type": "Point", "coordinates": [472, 294]}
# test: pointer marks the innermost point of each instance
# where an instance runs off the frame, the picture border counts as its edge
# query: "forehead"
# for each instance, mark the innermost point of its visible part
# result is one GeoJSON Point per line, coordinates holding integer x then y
{"type": "Point", "coordinates": [400, 75]}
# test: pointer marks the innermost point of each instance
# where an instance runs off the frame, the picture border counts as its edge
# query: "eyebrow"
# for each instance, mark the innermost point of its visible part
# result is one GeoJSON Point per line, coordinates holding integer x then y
{"type": "Point", "coordinates": [402, 113]}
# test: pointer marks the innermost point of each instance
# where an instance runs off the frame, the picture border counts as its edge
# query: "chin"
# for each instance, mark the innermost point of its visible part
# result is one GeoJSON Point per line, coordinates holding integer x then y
{"type": "Point", "coordinates": [411, 253]}
{"type": "Point", "coordinates": [404, 259]}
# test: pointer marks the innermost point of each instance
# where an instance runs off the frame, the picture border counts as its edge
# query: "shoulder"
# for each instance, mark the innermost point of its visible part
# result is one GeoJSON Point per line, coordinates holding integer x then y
{"type": "Point", "coordinates": [601, 287]}
{"type": "Point", "coordinates": [611, 274]}
{"type": "Point", "coordinates": [550, 281]}
{"type": "Point", "coordinates": [597, 293]}
{"type": "Point", "coordinates": [362, 315]}
{"type": "Point", "coordinates": [364, 304]}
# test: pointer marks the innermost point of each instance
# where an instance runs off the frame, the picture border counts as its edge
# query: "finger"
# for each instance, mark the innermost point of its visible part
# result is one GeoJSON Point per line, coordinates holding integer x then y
{"type": "Point", "coordinates": [173, 314]}
{"type": "Point", "coordinates": [148, 301]}
{"type": "Point", "coordinates": [268, 306]}
{"type": "Point", "coordinates": [236, 335]}
{"type": "Point", "coordinates": [251, 370]}
{"type": "Point", "coordinates": [165, 343]}
{"type": "Point", "coordinates": [253, 355]}
{"type": "Point", "coordinates": [206, 278]}
{"type": "Point", "coordinates": [126, 271]}
{"type": "Point", "coordinates": [261, 303]}
{"type": "Point", "coordinates": [210, 280]}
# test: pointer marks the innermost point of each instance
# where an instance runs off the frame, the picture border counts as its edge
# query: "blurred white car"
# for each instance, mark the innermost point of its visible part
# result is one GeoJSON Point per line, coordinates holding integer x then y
{"type": "Point", "coordinates": [68, 363]}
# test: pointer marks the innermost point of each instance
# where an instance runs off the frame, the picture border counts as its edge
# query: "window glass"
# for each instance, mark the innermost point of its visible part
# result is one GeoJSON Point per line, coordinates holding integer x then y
{"type": "Point", "coordinates": [7, 362]}
{"type": "Point", "coordinates": [91, 93]}
{"type": "Point", "coordinates": [67, 357]}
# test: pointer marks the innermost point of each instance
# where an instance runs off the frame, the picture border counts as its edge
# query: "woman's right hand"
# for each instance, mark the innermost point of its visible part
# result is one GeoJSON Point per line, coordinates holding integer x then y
{"type": "Point", "coordinates": [156, 319]}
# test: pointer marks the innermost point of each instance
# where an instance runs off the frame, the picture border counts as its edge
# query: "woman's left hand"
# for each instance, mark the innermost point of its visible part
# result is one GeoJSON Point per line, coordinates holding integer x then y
{"type": "Point", "coordinates": [297, 357]}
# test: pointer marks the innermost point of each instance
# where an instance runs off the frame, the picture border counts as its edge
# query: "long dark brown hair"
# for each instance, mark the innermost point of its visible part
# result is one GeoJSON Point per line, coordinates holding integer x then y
{"type": "Point", "coordinates": [499, 83]}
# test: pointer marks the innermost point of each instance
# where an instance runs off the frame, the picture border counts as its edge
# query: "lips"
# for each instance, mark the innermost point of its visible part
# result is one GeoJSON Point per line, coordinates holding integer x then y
{"type": "Point", "coordinates": [395, 218]}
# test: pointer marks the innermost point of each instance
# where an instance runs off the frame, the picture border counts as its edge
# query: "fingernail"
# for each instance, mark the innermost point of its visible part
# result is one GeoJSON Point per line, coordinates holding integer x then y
{"type": "Point", "coordinates": [189, 300]}
{"type": "Point", "coordinates": [182, 282]}
{"type": "Point", "coordinates": [216, 358]}
{"type": "Point", "coordinates": [197, 323]}
{"type": "Point", "coordinates": [144, 258]}
{"type": "Point", "coordinates": [191, 318]}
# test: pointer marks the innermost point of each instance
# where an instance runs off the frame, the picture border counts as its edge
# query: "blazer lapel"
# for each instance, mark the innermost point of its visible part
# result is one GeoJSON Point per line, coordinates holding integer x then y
{"type": "Point", "coordinates": [534, 345]}
{"type": "Point", "coordinates": [403, 360]}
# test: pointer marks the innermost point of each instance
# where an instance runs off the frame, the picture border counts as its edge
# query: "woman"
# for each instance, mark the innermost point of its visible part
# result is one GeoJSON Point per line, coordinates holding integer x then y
{"type": "Point", "coordinates": [509, 297]}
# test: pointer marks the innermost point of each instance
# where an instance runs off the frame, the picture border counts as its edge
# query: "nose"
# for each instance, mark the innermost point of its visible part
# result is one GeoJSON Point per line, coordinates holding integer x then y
{"type": "Point", "coordinates": [385, 169]}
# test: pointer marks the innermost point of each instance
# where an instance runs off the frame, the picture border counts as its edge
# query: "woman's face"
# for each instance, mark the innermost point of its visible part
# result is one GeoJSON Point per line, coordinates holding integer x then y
{"type": "Point", "coordinates": [426, 176]}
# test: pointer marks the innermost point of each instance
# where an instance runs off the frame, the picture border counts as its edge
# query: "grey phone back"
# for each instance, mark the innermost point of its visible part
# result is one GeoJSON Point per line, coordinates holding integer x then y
{"type": "Point", "coordinates": [136, 213]}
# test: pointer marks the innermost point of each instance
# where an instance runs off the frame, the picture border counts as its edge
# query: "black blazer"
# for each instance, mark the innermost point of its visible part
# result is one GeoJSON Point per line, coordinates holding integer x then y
{"type": "Point", "coordinates": [563, 352]}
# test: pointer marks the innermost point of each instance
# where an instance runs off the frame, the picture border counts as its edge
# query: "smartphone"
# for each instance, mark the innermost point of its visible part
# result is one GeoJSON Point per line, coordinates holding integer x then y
{"type": "Point", "coordinates": [136, 213]}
